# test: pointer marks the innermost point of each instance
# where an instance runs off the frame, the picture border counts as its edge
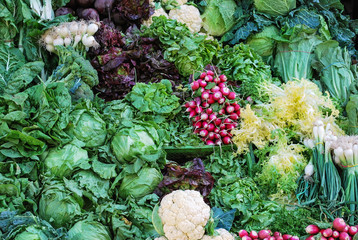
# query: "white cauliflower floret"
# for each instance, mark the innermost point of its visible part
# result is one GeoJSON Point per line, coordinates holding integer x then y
{"type": "Point", "coordinates": [189, 15]}
{"type": "Point", "coordinates": [223, 235]}
{"type": "Point", "coordinates": [184, 215]}
{"type": "Point", "coordinates": [158, 12]}
{"type": "Point", "coordinates": [179, 2]}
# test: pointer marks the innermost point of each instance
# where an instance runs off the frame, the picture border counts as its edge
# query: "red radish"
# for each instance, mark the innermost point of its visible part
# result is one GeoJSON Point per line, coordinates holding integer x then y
{"type": "Point", "coordinates": [221, 112]}
{"type": "Point", "coordinates": [242, 233]}
{"type": "Point", "coordinates": [189, 109]}
{"type": "Point", "coordinates": [221, 85]}
{"type": "Point", "coordinates": [203, 75]}
{"type": "Point", "coordinates": [230, 109]}
{"type": "Point", "coordinates": [327, 233]}
{"type": "Point", "coordinates": [208, 78]}
{"type": "Point", "coordinates": [209, 142]}
{"type": "Point", "coordinates": [323, 238]}
{"type": "Point", "coordinates": [205, 104]}
{"type": "Point", "coordinates": [335, 234]}
{"type": "Point", "coordinates": [212, 117]}
{"type": "Point", "coordinates": [295, 238]}
{"type": "Point", "coordinates": [209, 111]}
{"type": "Point", "coordinates": [204, 116]}
{"type": "Point", "coordinates": [344, 236]}
{"type": "Point", "coordinates": [221, 100]}
{"type": "Point", "coordinates": [197, 118]}
{"type": "Point", "coordinates": [227, 140]}
{"type": "Point", "coordinates": [223, 132]}
{"type": "Point", "coordinates": [215, 89]}
{"type": "Point", "coordinates": [211, 127]}
{"type": "Point", "coordinates": [203, 133]}
{"type": "Point", "coordinates": [195, 85]}
{"type": "Point", "coordinates": [265, 239]}
{"type": "Point", "coordinates": [234, 116]}
{"type": "Point", "coordinates": [223, 78]}
{"type": "Point", "coordinates": [196, 131]}
{"type": "Point", "coordinates": [186, 105]}
{"type": "Point", "coordinates": [211, 135]}
{"type": "Point", "coordinates": [286, 236]}
{"type": "Point", "coordinates": [238, 113]}
{"type": "Point", "coordinates": [217, 96]}
{"type": "Point", "coordinates": [192, 104]}
{"type": "Point", "coordinates": [197, 125]}
{"type": "Point", "coordinates": [346, 228]}
{"type": "Point", "coordinates": [277, 234]}
{"type": "Point", "coordinates": [209, 72]}
{"type": "Point", "coordinates": [246, 238]}
{"type": "Point", "coordinates": [203, 83]}
{"type": "Point", "coordinates": [227, 121]}
{"type": "Point", "coordinates": [205, 125]}
{"type": "Point", "coordinates": [310, 237]}
{"type": "Point", "coordinates": [231, 96]}
{"type": "Point", "coordinates": [339, 224]}
{"type": "Point", "coordinates": [211, 100]}
{"type": "Point", "coordinates": [279, 238]}
{"type": "Point", "coordinates": [192, 114]}
{"type": "Point", "coordinates": [218, 142]}
{"type": "Point", "coordinates": [226, 91]}
{"type": "Point", "coordinates": [217, 130]}
{"type": "Point", "coordinates": [230, 126]}
{"type": "Point", "coordinates": [312, 229]}
{"type": "Point", "coordinates": [217, 80]}
{"type": "Point", "coordinates": [263, 233]}
{"type": "Point", "coordinates": [217, 121]}
{"type": "Point", "coordinates": [205, 95]}
{"type": "Point", "coordinates": [237, 107]}
{"type": "Point", "coordinates": [198, 109]}
{"type": "Point", "coordinates": [202, 89]}
{"type": "Point", "coordinates": [352, 230]}
{"type": "Point", "coordinates": [330, 238]}
{"type": "Point", "coordinates": [217, 136]}
{"type": "Point", "coordinates": [253, 234]}
{"type": "Point", "coordinates": [222, 126]}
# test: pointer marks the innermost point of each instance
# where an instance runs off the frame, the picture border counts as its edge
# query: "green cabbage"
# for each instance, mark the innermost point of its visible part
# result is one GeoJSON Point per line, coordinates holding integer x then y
{"type": "Point", "coordinates": [140, 184]}
{"type": "Point", "coordinates": [141, 141]}
{"type": "Point", "coordinates": [89, 127]}
{"type": "Point", "coordinates": [263, 42]}
{"type": "Point", "coordinates": [58, 205]}
{"type": "Point", "coordinates": [89, 230]}
{"type": "Point", "coordinates": [28, 236]}
{"type": "Point", "coordinates": [275, 7]}
{"type": "Point", "coordinates": [219, 16]}
{"type": "Point", "coordinates": [63, 161]}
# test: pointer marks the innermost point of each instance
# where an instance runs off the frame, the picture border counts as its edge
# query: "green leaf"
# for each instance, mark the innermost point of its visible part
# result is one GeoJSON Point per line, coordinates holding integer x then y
{"type": "Point", "coordinates": [157, 221]}
{"type": "Point", "coordinates": [210, 85]}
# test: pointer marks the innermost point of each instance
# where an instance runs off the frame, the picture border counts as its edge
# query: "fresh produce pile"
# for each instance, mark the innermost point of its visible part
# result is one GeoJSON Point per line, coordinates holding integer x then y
{"type": "Point", "coordinates": [178, 120]}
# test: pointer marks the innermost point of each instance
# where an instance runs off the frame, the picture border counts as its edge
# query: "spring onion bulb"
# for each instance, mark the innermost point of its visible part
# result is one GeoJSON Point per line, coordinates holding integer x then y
{"type": "Point", "coordinates": [58, 41]}
{"type": "Point", "coordinates": [73, 27]}
{"type": "Point", "coordinates": [92, 29]}
{"type": "Point", "coordinates": [67, 41]}
{"type": "Point", "coordinates": [48, 39]}
{"type": "Point", "coordinates": [77, 40]}
{"type": "Point", "coordinates": [309, 169]}
{"type": "Point", "coordinates": [50, 48]}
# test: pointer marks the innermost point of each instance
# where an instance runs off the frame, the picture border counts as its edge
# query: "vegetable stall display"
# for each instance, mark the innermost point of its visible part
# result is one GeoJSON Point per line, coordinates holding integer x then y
{"type": "Point", "coordinates": [178, 120]}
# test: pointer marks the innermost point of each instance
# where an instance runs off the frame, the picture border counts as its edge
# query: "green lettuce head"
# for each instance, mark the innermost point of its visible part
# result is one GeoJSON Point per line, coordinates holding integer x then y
{"type": "Point", "coordinates": [89, 127]}
{"type": "Point", "coordinates": [141, 141]}
{"type": "Point", "coordinates": [28, 236]}
{"type": "Point", "coordinates": [89, 230]}
{"type": "Point", "coordinates": [275, 8]}
{"type": "Point", "coordinates": [58, 205]}
{"type": "Point", "coordinates": [140, 184]}
{"type": "Point", "coordinates": [263, 42]}
{"type": "Point", "coordinates": [219, 16]}
{"type": "Point", "coordinates": [64, 161]}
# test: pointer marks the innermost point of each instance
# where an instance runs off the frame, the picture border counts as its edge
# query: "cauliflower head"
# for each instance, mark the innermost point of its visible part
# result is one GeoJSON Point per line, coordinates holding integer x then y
{"type": "Point", "coordinates": [223, 235]}
{"type": "Point", "coordinates": [184, 215]}
{"type": "Point", "coordinates": [158, 12]}
{"type": "Point", "coordinates": [189, 15]}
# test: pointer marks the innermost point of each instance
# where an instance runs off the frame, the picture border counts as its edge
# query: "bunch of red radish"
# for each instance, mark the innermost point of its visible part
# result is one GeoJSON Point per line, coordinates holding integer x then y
{"type": "Point", "coordinates": [340, 230]}
{"type": "Point", "coordinates": [265, 235]}
{"type": "Point", "coordinates": [214, 127]}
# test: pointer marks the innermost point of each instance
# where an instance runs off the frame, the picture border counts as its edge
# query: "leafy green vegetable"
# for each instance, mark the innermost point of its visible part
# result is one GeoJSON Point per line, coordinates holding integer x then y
{"type": "Point", "coordinates": [275, 8]}
{"type": "Point", "coordinates": [91, 230]}
{"type": "Point", "coordinates": [189, 52]}
{"type": "Point", "coordinates": [219, 16]}
{"type": "Point", "coordinates": [27, 227]}
{"type": "Point", "coordinates": [244, 66]}
{"type": "Point", "coordinates": [140, 184]}
{"type": "Point", "coordinates": [58, 205]}
{"type": "Point", "coordinates": [62, 162]}
{"type": "Point", "coordinates": [333, 64]}
{"type": "Point", "coordinates": [263, 42]}
{"type": "Point", "coordinates": [295, 51]}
